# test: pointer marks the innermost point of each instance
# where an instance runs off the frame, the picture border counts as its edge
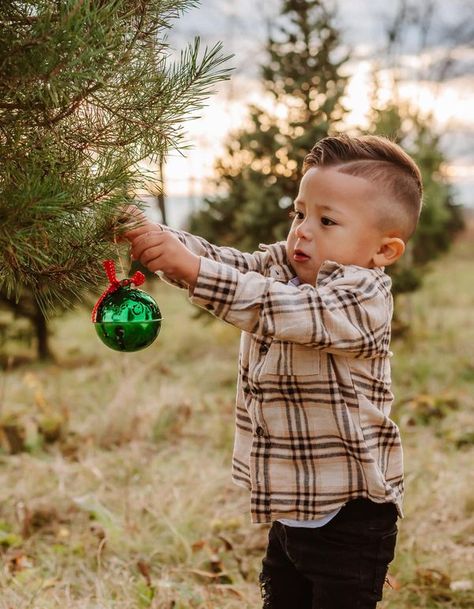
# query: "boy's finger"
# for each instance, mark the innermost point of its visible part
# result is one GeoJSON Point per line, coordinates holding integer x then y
{"type": "Point", "coordinates": [131, 216]}
{"type": "Point", "coordinates": [146, 240]}
{"type": "Point", "coordinates": [131, 212]}
{"type": "Point", "coordinates": [151, 253]}
{"type": "Point", "coordinates": [134, 233]}
{"type": "Point", "coordinates": [142, 229]}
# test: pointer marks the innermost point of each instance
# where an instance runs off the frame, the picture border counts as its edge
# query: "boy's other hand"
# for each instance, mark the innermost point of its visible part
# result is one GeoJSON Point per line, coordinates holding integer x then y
{"type": "Point", "coordinates": [161, 250]}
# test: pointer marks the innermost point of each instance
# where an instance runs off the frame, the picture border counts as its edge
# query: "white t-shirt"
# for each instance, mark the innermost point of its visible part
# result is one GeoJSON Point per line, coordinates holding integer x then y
{"type": "Point", "coordinates": [309, 524]}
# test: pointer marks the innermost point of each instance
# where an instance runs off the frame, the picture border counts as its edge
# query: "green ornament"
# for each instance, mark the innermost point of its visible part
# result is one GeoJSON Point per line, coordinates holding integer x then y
{"type": "Point", "coordinates": [126, 318]}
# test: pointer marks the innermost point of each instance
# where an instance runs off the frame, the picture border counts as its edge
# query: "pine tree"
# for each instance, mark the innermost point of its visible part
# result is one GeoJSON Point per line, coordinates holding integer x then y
{"type": "Point", "coordinates": [259, 174]}
{"type": "Point", "coordinates": [441, 218]}
{"type": "Point", "coordinates": [88, 90]}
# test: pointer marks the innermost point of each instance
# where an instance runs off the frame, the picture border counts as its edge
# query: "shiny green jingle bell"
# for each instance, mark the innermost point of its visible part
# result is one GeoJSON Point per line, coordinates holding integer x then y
{"type": "Point", "coordinates": [126, 318]}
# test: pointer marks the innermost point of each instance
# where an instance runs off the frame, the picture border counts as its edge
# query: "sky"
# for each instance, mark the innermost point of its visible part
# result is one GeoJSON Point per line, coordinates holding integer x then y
{"type": "Point", "coordinates": [242, 27]}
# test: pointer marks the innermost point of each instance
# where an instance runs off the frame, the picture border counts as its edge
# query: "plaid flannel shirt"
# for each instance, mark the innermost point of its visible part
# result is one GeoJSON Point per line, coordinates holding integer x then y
{"type": "Point", "coordinates": [314, 386]}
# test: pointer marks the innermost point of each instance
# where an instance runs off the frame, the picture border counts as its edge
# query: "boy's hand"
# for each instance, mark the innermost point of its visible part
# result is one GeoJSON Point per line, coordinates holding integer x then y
{"type": "Point", "coordinates": [133, 216]}
{"type": "Point", "coordinates": [160, 250]}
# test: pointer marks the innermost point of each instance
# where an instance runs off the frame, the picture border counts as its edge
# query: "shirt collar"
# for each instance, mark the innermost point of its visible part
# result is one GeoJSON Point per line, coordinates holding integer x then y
{"type": "Point", "coordinates": [330, 270]}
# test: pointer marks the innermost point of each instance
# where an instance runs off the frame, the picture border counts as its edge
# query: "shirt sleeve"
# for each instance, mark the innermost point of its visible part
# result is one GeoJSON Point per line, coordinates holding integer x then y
{"type": "Point", "coordinates": [349, 316]}
{"type": "Point", "coordinates": [231, 256]}
{"type": "Point", "coordinates": [242, 261]}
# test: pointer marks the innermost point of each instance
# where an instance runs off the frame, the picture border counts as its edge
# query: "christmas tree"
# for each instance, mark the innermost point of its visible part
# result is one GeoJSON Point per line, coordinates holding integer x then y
{"type": "Point", "coordinates": [89, 90]}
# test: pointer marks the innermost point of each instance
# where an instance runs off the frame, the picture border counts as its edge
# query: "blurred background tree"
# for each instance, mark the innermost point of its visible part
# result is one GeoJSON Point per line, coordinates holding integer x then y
{"type": "Point", "coordinates": [87, 92]}
{"type": "Point", "coordinates": [441, 217]}
{"type": "Point", "coordinates": [304, 75]}
{"type": "Point", "coordinates": [259, 174]}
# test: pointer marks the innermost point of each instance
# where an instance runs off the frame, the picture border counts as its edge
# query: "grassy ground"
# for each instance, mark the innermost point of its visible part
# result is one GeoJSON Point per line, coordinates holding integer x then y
{"type": "Point", "coordinates": [120, 493]}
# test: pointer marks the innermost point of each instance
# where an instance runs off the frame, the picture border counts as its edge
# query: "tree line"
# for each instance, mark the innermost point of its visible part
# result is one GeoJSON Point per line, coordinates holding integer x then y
{"type": "Point", "coordinates": [88, 90]}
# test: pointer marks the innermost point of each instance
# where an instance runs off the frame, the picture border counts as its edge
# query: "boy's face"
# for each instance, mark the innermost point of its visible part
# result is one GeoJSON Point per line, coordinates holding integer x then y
{"type": "Point", "coordinates": [335, 219]}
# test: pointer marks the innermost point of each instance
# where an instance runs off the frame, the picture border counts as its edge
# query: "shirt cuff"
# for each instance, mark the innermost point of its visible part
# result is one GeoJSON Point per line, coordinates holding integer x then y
{"type": "Point", "coordinates": [177, 283]}
{"type": "Point", "coordinates": [215, 287]}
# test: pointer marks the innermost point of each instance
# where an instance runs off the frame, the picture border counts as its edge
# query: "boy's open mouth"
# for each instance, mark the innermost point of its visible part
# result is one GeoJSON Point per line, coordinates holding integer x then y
{"type": "Point", "coordinates": [300, 256]}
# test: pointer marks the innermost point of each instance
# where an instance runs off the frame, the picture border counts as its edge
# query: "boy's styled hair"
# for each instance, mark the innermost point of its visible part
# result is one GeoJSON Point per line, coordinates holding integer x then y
{"type": "Point", "coordinates": [383, 163]}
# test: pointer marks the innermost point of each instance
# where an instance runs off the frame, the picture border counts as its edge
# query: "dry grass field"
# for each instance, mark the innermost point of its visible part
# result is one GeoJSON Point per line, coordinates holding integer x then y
{"type": "Point", "coordinates": [115, 487]}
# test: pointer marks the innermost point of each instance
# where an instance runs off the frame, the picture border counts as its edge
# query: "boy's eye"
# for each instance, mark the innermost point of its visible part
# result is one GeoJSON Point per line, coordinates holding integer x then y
{"type": "Point", "coordinates": [326, 221]}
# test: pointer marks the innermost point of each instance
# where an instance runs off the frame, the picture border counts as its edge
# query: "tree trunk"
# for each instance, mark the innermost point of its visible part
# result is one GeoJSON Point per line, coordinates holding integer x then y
{"type": "Point", "coordinates": [42, 335]}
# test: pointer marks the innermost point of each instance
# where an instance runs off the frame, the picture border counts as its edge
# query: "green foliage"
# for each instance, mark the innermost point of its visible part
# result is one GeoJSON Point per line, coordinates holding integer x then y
{"type": "Point", "coordinates": [425, 409]}
{"type": "Point", "coordinates": [87, 91]}
{"type": "Point", "coordinates": [259, 173]}
{"type": "Point", "coordinates": [8, 539]}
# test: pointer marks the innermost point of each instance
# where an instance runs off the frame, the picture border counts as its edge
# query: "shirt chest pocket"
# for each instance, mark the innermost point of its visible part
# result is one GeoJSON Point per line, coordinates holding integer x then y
{"type": "Point", "coordinates": [284, 358]}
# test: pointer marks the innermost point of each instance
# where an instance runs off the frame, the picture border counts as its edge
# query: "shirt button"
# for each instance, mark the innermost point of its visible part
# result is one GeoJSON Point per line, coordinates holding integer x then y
{"type": "Point", "coordinates": [264, 349]}
{"type": "Point", "coordinates": [260, 432]}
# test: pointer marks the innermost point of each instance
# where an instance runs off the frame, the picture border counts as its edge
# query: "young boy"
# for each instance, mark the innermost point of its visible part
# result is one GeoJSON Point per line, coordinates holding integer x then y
{"type": "Point", "coordinates": [314, 443]}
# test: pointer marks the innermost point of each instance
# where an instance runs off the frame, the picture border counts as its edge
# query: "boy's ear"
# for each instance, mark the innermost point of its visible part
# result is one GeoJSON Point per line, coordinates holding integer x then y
{"type": "Point", "coordinates": [390, 250]}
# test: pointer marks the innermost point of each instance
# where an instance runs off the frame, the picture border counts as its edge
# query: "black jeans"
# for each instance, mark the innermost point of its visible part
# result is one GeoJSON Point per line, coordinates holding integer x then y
{"type": "Point", "coordinates": [341, 565]}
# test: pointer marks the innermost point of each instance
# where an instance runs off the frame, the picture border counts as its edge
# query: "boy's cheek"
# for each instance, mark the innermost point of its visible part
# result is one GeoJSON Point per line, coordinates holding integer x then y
{"type": "Point", "coordinates": [290, 245]}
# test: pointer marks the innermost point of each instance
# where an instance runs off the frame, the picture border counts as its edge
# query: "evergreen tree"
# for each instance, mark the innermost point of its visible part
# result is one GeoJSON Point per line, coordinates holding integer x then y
{"type": "Point", "coordinates": [259, 174]}
{"type": "Point", "coordinates": [87, 91]}
{"type": "Point", "coordinates": [419, 27]}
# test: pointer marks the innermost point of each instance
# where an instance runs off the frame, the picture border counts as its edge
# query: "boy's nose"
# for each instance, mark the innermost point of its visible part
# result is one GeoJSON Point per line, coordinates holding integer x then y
{"type": "Point", "coordinates": [302, 231]}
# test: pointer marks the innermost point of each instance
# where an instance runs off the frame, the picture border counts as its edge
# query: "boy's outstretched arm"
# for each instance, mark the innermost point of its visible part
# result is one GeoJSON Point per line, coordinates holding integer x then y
{"type": "Point", "coordinates": [242, 261]}
{"type": "Point", "coordinates": [347, 315]}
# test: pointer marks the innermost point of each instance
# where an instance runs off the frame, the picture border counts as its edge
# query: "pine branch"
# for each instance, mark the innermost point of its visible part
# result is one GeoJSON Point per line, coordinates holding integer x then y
{"type": "Point", "coordinates": [87, 90]}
